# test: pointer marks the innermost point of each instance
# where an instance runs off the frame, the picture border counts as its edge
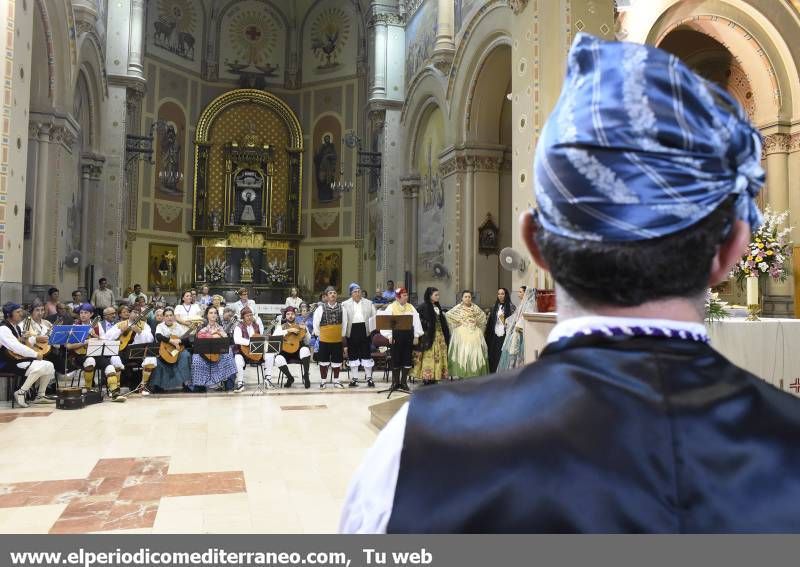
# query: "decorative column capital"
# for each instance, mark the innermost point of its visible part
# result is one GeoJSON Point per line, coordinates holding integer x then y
{"type": "Point", "coordinates": [776, 144]}
{"type": "Point", "coordinates": [385, 19]}
{"type": "Point", "coordinates": [410, 185]}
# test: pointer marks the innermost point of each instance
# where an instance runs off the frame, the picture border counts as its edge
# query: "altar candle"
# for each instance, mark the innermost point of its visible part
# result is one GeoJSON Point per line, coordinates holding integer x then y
{"type": "Point", "coordinates": [752, 290]}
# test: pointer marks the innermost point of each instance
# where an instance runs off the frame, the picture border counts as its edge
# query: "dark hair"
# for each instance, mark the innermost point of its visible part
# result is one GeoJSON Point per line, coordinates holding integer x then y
{"type": "Point", "coordinates": [137, 285]}
{"type": "Point", "coordinates": [507, 299]}
{"type": "Point", "coordinates": [168, 308]}
{"type": "Point", "coordinates": [428, 293]}
{"type": "Point", "coordinates": [523, 287]}
{"type": "Point", "coordinates": [76, 291]}
{"type": "Point", "coordinates": [101, 280]}
{"type": "Point", "coordinates": [469, 291]}
{"type": "Point", "coordinates": [389, 282]}
{"type": "Point", "coordinates": [52, 290]}
{"type": "Point", "coordinates": [627, 274]}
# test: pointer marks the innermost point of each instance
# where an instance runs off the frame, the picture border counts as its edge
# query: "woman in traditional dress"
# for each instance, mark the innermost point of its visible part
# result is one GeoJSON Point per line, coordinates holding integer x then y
{"type": "Point", "coordinates": [431, 360]}
{"type": "Point", "coordinates": [210, 374]}
{"type": "Point", "coordinates": [172, 376]}
{"type": "Point", "coordinates": [513, 353]}
{"type": "Point", "coordinates": [495, 333]}
{"type": "Point", "coordinates": [467, 353]}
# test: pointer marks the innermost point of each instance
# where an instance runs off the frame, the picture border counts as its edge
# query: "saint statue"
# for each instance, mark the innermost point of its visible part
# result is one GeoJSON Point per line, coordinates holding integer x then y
{"type": "Point", "coordinates": [248, 212]}
{"type": "Point", "coordinates": [246, 268]}
{"type": "Point", "coordinates": [325, 169]}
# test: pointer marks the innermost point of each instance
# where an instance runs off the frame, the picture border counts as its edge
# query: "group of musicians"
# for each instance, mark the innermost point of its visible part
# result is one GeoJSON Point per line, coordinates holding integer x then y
{"type": "Point", "coordinates": [344, 330]}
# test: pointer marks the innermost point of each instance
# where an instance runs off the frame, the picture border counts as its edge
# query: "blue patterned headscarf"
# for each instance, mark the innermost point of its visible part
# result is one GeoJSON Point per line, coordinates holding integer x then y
{"type": "Point", "coordinates": [638, 147]}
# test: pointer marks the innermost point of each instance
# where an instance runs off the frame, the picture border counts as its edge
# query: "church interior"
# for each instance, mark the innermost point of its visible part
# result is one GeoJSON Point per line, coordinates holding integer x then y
{"type": "Point", "coordinates": [307, 144]}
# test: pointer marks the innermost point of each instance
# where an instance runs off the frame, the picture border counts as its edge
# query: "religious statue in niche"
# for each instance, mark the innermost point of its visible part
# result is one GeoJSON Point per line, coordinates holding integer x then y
{"type": "Point", "coordinates": [325, 169]}
{"type": "Point", "coordinates": [246, 268]}
{"type": "Point", "coordinates": [170, 175]}
{"type": "Point", "coordinates": [249, 186]}
{"type": "Point", "coordinates": [329, 32]}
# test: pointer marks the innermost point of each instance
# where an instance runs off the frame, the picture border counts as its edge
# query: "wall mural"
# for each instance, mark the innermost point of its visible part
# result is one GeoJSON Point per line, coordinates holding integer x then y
{"type": "Point", "coordinates": [174, 31]}
{"type": "Point", "coordinates": [328, 48]}
{"type": "Point", "coordinates": [251, 34]}
{"type": "Point", "coordinates": [170, 146]}
{"type": "Point", "coordinates": [328, 269]}
{"type": "Point", "coordinates": [327, 153]}
{"type": "Point", "coordinates": [463, 11]}
{"type": "Point", "coordinates": [430, 261]}
{"type": "Point", "coordinates": [420, 38]}
{"type": "Point", "coordinates": [162, 268]}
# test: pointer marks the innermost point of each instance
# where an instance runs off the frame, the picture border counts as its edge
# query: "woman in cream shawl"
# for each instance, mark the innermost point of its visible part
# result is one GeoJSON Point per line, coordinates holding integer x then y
{"type": "Point", "coordinates": [467, 353]}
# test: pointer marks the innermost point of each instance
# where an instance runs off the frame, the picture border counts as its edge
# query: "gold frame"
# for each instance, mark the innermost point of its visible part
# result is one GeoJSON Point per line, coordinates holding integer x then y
{"type": "Point", "coordinates": [242, 96]}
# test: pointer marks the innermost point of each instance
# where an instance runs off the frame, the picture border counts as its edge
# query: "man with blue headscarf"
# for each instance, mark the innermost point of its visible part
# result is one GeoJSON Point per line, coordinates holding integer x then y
{"type": "Point", "coordinates": [646, 178]}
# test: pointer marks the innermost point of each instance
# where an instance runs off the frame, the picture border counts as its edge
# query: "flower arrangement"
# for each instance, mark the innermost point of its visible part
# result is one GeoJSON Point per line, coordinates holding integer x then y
{"type": "Point", "coordinates": [715, 309]}
{"type": "Point", "coordinates": [768, 251]}
{"type": "Point", "coordinates": [278, 273]}
{"type": "Point", "coordinates": [216, 269]}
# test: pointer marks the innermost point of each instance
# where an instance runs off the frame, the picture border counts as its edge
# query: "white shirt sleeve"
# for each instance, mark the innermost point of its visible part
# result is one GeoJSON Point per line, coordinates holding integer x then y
{"type": "Point", "coordinates": [369, 500]}
{"type": "Point", "coordinates": [113, 333]}
{"type": "Point", "coordinates": [145, 337]}
{"type": "Point", "coordinates": [238, 338]}
{"type": "Point", "coordinates": [317, 320]}
{"type": "Point", "coordinates": [8, 340]}
{"type": "Point", "coordinates": [344, 322]}
{"type": "Point", "coordinates": [418, 332]}
{"type": "Point", "coordinates": [278, 331]}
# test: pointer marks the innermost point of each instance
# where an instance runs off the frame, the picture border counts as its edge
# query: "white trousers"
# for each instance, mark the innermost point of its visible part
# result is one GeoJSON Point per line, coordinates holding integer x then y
{"type": "Point", "coordinates": [367, 363]}
{"type": "Point", "coordinates": [267, 362]}
{"type": "Point", "coordinates": [280, 360]}
{"type": "Point", "coordinates": [110, 369]}
{"type": "Point", "coordinates": [41, 371]}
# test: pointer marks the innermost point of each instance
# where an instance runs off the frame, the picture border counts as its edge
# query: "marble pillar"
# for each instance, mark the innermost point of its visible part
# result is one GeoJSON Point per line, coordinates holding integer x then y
{"type": "Point", "coordinates": [410, 185]}
{"type": "Point", "coordinates": [136, 39]}
{"type": "Point", "coordinates": [444, 47]}
{"type": "Point", "coordinates": [469, 236]}
{"type": "Point", "coordinates": [40, 233]}
{"type": "Point", "coordinates": [381, 30]}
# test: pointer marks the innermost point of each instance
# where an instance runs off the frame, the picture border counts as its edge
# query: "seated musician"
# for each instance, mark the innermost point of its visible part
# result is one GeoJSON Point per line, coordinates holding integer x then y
{"type": "Point", "coordinates": [110, 317]}
{"type": "Point", "coordinates": [291, 327]}
{"type": "Point", "coordinates": [248, 327]}
{"type": "Point", "coordinates": [78, 356]}
{"type": "Point", "coordinates": [21, 359]}
{"type": "Point", "coordinates": [39, 332]}
{"type": "Point", "coordinates": [330, 324]}
{"type": "Point", "coordinates": [212, 373]}
{"type": "Point", "coordinates": [175, 338]}
{"type": "Point", "coordinates": [142, 335]}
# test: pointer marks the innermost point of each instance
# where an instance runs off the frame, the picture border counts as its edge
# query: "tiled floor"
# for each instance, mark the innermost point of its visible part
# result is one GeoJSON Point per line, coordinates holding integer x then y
{"type": "Point", "coordinates": [230, 463]}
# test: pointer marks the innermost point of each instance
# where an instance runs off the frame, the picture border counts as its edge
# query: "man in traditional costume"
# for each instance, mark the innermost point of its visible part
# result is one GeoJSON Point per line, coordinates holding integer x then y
{"type": "Point", "coordinates": [646, 184]}
{"type": "Point", "coordinates": [360, 323]}
{"type": "Point", "coordinates": [403, 342]}
{"type": "Point", "coordinates": [330, 325]}
{"type": "Point", "coordinates": [292, 328]}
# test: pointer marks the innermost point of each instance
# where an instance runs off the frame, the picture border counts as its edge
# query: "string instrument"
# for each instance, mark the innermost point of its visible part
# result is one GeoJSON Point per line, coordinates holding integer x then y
{"type": "Point", "coordinates": [44, 348]}
{"type": "Point", "coordinates": [293, 341]}
{"type": "Point", "coordinates": [92, 335]}
{"type": "Point", "coordinates": [245, 349]}
{"type": "Point", "coordinates": [227, 328]}
{"type": "Point", "coordinates": [168, 352]}
{"type": "Point", "coordinates": [26, 328]}
{"type": "Point", "coordinates": [127, 335]}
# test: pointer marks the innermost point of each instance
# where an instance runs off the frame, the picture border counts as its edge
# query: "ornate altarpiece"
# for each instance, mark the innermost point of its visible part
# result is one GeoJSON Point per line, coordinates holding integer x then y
{"type": "Point", "coordinates": [247, 183]}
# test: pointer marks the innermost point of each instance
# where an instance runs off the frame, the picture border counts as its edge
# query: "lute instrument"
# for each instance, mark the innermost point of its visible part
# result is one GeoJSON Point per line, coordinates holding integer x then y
{"type": "Point", "coordinates": [127, 335]}
{"type": "Point", "coordinates": [26, 326]}
{"type": "Point", "coordinates": [44, 348]}
{"type": "Point", "coordinates": [168, 352]}
{"type": "Point", "coordinates": [293, 341]}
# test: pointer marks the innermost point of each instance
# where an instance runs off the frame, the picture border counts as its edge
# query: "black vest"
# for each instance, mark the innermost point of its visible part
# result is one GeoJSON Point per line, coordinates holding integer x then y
{"type": "Point", "coordinates": [603, 435]}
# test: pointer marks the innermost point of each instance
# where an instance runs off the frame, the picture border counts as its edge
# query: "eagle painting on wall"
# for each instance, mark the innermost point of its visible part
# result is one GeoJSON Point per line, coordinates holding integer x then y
{"type": "Point", "coordinates": [329, 33]}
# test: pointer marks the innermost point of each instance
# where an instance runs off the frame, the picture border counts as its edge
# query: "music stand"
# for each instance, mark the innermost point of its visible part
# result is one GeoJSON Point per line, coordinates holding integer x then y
{"type": "Point", "coordinates": [211, 346]}
{"type": "Point", "coordinates": [63, 335]}
{"type": "Point", "coordinates": [102, 348]}
{"type": "Point", "coordinates": [393, 323]}
{"type": "Point", "coordinates": [268, 346]}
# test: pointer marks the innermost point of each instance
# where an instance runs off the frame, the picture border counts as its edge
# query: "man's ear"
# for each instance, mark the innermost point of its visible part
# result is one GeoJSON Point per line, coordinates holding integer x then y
{"type": "Point", "coordinates": [729, 252]}
{"type": "Point", "coordinates": [529, 228]}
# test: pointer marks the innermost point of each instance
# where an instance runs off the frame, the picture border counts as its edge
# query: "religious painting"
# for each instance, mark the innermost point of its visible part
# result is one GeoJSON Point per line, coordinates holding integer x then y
{"type": "Point", "coordinates": [163, 266]}
{"type": "Point", "coordinates": [328, 48]}
{"type": "Point", "coordinates": [327, 152]}
{"type": "Point", "coordinates": [431, 212]}
{"type": "Point", "coordinates": [174, 29]}
{"type": "Point", "coordinates": [251, 35]}
{"type": "Point", "coordinates": [169, 171]}
{"type": "Point", "coordinates": [330, 31]}
{"type": "Point", "coordinates": [420, 37]}
{"type": "Point", "coordinates": [328, 269]}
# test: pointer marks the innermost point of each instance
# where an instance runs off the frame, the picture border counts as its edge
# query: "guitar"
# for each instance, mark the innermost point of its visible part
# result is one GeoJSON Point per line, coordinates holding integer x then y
{"type": "Point", "coordinates": [168, 352]}
{"type": "Point", "coordinates": [44, 348]}
{"type": "Point", "coordinates": [227, 327]}
{"type": "Point", "coordinates": [92, 324]}
{"type": "Point", "coordinates": [127, 335]}
{"type": "Point", "coordinates": [293, 341]}
{"type": "Point", "coordinates": [247, 353]}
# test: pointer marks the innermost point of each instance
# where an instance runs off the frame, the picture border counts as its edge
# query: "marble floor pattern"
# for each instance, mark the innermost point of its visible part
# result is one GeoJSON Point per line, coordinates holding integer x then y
{"type": "Point", "coordinates": [216, 463]}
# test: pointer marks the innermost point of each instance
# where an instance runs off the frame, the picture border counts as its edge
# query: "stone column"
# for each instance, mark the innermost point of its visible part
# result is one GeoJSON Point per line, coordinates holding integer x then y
{"type": "Point", "coordinates": [794, 206]}
{"type": "Point", "coordinates": [86, 215]}
{"type": "Point", "coordinates": [136, 39]}
{"type": "Point", "coordinates": [410, 185]}
{"type": "Point", "coordinates": [378, 90]}
{"type": "Point", "coordinates": [776, 148]}
{"type": "Point", "coordinates": [468, 236]}
{"type": "Point", "coordinates": [41, 241]}
{"type": "Point", "coordinates": [444, 48]}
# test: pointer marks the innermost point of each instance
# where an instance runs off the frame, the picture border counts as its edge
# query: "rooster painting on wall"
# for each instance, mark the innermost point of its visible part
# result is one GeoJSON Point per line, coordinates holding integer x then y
{"type": "Point", "coordinates": [329, 32]}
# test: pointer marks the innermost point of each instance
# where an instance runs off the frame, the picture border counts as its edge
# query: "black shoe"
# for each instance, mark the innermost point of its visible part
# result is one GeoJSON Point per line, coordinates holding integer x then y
{"type": "Point", "coordinates": [404, 388]}
{"type": "Point", "coordinates": [306, 382]}
{"type": "Point", "coordinates": [288, 383]}
{"type": "Point", "coordinates": [370, 383]}
{"type": "Point", "coordinates": [353, 384]}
